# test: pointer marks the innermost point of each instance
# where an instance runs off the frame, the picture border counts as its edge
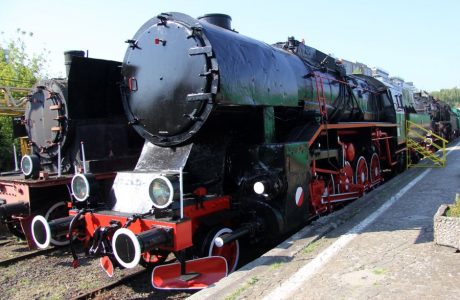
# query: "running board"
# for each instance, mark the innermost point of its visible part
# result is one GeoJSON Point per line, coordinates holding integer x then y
{"type": "Point", "coordinates": [342, 197]}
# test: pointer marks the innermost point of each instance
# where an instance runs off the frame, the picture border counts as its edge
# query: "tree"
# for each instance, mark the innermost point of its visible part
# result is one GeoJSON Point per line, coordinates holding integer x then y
{"type": "Point", "coordinates": [451, 96]}
{"type": "Point", "coordinates": [17, 69]}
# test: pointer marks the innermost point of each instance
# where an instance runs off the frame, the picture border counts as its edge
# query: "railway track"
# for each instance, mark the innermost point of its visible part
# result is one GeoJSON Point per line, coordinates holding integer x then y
{"type": "Point", "coordinates": [9, 261]}
{"type": "Point", "coordinates": [91, 294]}
{"type": "Point", "coordinates": [5, 242]}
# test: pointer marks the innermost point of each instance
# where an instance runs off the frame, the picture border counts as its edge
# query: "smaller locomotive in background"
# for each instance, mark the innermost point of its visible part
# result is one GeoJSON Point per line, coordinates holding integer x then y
{"type": "Point", "coordinates": [72, 124]}
{"type": "Point", "coordinates": [420, 107]}
{"type": "Point", "coordinates": [244, 141]}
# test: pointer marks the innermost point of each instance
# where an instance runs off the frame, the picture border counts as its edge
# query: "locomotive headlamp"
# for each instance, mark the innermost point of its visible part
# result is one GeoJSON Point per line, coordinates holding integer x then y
{"type": "Point", "coordinates": [162, 191]}
{"type": "Point", "coordinates": [30, 166]}
{"type": "Point", "coordinates": [82, 186]}
{"type": "Point", "coordinates": [259, 187]}
{"type": "Point", "coordinates": [269, 186]}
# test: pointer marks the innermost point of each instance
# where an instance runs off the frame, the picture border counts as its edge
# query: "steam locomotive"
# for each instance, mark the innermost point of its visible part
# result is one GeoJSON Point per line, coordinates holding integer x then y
{"type": "Point", "coordinates": [444, 122]}
{"type": "Point", "coordinates": [73, 123]}
{"type": "Point", "coordinates": [243, 141]}
{"type": "Point", "coordinates": [421, 108]}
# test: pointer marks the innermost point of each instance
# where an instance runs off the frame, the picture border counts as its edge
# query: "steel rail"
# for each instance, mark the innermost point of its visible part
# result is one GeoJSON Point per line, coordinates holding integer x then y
{"type": "Point", "coordinates": [10, 261]}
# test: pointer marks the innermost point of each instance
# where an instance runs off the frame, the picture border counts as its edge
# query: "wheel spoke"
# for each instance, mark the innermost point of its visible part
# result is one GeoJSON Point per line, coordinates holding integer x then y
{"type": "Point", "coordinates": [346, 179]}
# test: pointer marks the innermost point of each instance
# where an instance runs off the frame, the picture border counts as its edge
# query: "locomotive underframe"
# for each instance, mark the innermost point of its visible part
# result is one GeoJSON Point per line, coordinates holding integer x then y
{"type": "Point", "coordinates": [183, 230]}
{"type": "Point", "coordinates": [330, 175]}
{"type": "Point", "coordinates": [347, 161]}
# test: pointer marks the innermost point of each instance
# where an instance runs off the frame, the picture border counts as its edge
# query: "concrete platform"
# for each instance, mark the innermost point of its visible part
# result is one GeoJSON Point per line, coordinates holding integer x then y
{"type": "Point", "coordinates": [381, 246]}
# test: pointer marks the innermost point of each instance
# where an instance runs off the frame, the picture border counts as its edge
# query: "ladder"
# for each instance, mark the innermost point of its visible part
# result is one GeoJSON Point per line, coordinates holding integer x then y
{"type": "Point", "coordinates": [320, 96]}
{"type": "Point", "coordinates": [430, 146]}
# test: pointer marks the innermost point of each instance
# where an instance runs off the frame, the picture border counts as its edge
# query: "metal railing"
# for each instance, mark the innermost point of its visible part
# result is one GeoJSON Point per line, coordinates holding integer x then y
{"type": "Point", "coordinates": [13, 100]}
{"type": "Point", "coordinates": [427, 144]}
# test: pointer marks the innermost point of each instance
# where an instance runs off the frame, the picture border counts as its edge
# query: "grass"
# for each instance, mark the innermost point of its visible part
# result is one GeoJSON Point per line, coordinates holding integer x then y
{"type": "Point", "coordinates": [275, 266]}
{"type": "Point", "coordinates": [312, 246]}
{"type": "Point", "coordinates": [244, 287]}
{"type": "Point", "coordinates": [253, 281]}
{"type": "Point", "coordinates": [380, 271]}
{"type": "Point", "coordinates": [454, 209]}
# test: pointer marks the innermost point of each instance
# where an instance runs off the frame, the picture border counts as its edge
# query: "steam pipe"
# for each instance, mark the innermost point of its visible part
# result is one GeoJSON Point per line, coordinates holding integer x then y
{"type": "Point", "coordinates": [83, 157]}
{"type": "Point", "coordinates": [59, 160]}
{"type": "Point", "coordinates": [181, 190]}
{"type": "Point", "coordinates": [16, 166]}
{"type": "Point", "coordinates": [229, 237]}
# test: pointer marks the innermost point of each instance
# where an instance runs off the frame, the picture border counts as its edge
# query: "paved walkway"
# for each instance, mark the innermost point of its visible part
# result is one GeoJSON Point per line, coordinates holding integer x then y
{"type": "Point", "coordinates": [379, 247]}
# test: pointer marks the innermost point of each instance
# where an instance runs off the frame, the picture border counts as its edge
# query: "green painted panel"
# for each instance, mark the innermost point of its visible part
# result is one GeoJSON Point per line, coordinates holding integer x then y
{"type": "Point", "coordinates": [401, 121]}
{"type": "Point", "coordinates": [269, 124]}
{"type": "Point", "coordinates": [423, 120]}
{"type": "Point", "coordinates": [298, 153]}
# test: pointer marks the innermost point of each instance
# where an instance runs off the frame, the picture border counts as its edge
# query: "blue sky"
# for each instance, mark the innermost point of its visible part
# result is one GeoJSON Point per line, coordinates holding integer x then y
{"type": "Point", "coordinates": [416, 40]}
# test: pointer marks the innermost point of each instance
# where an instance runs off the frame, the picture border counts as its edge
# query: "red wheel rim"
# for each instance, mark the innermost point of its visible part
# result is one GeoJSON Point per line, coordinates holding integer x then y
{"type": "Point", "coordinates": [330, 187]}
{"type": "Point", "coordinates": [375, 168]}
{"type": "Point", "coordinates": [362, 172]}
{"type": "Point", "coordinates": [230, 251]}
{"type": "Point", "coordinates": [153, 258]}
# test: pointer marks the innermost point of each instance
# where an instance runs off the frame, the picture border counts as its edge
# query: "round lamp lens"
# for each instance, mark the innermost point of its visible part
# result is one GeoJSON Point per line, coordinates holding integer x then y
{"type": "Point", "coordinates": [26, 165]}
{"type": "Point", "coordinates": [259, 188]}
{"type": "Point", "coordinates": [161, 192]}
{"type": "Point", "coordinates": [80, 187]}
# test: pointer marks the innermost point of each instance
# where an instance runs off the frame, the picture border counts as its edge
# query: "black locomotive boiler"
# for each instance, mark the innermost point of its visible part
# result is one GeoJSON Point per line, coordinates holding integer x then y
{"type": "Point", "coordinates": [72, 124]}
{"type": "Point", "coordinates": [244, 141]}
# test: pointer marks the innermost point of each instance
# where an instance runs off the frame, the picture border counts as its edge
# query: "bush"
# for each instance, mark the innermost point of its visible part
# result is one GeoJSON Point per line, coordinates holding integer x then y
{"type": "Point", "coordinates": [454, 209]}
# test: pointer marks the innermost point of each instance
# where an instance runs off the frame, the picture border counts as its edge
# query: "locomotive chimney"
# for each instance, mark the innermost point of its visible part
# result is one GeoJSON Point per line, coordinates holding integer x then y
{"type": "Point", "coordinates": [221, 20]}
{"type": "Point", "coordinates": [68, 56]}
